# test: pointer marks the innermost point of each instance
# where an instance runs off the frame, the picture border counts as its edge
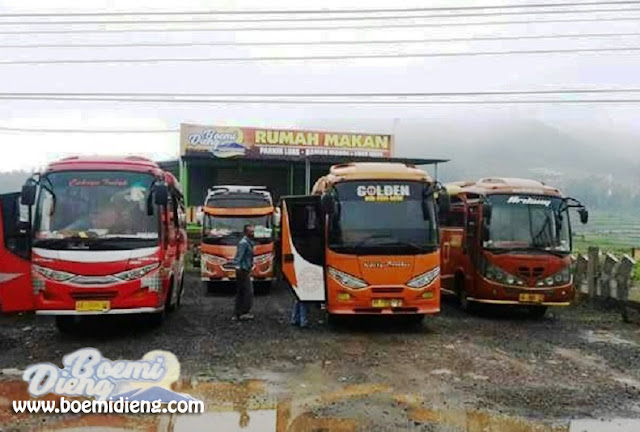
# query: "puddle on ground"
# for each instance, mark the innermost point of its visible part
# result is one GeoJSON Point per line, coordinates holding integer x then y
{"type": "Point", "coordinates": [603, 336]}
{"type": "Point", "coordinates": [250, 406]}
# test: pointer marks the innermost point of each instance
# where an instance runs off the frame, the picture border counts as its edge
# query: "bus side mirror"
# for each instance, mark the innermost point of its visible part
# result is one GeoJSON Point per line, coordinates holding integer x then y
{"type": "Point", "coordinates": [584, 215]}
{"type": "Point", "coordinates": [277, 217]}
{"type": "Point", "coordinates": [328, 204]}
{"type": "Point", "coordinates": [28, 194]}
{"type": "Point", "coordinates": [199, 216]}
{"type": "Point", "coordinates": [487, 210]}
{"type": "Point", "coordinates": [24, 227]}
{"type": "Point", "coordinates": [161, 194]}
{"type": "Point", "coordinates": [444, 201]}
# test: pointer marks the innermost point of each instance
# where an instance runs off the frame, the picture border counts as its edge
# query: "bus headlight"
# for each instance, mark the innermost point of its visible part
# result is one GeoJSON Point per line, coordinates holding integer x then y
{"type": "Point", "coordinates": [136, 273]}
{"type": "Point", "coordinates": [496, 274]}
{"type": "Point", "coordinates": [261, 259]}
{"type": "Point", "coordinates": [346, 279]}
{"type": "Point", "coordinates": [424, 279]}
{"type": "Point", "coordinates": [54, 275]}
{"type": "Point", "coordinates": [562, 277]}
{"type": "Point", "coordinates": [213, 259]}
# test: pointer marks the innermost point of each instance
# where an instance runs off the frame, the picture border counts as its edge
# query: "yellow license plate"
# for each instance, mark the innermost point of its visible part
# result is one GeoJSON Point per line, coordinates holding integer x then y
{"type": "Point", "coordinates": [93, 305]}
{"type": "Point", "coordinates": [531, 298]}
{"type": "Point", "coordinates": [385, 303]}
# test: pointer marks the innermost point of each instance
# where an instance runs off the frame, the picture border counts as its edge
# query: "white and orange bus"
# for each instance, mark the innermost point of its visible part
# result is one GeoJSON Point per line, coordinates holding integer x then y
{"type": "Point", "coordinates": [226, 211]}
{"type": "Point", "coordinates": [366, 241]}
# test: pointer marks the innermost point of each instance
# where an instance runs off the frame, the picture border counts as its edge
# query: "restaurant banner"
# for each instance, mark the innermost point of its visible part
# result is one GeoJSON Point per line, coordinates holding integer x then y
{"type": "Point", "coordinates": [238, 142]}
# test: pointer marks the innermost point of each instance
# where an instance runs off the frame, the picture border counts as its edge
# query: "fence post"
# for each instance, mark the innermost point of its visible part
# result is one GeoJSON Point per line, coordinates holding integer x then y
{"type": "Point", "coordinates": [607, 275]}
{"type": "Point", "coordinates": [623, 280]}
{"type": "Point", "coordinates": [580, 272]}
{"type": "Point", "coordinates": [592, 271]}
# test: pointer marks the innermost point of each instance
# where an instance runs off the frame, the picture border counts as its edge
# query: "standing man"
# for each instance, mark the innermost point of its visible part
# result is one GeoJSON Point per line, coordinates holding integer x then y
{"type": "Point", "coordinates": [243, 262]}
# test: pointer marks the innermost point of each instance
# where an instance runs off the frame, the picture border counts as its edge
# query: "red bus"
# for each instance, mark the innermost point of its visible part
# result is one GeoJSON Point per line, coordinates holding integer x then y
{"type": "Point", "coordinates": [507, 241]}
{"type": "Point", "coordinates": [93, 236]}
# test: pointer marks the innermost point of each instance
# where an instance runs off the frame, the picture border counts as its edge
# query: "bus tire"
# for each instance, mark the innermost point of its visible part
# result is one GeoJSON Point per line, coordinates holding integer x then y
{"type": "Point", "coordinates": [334, 320]}
{"type": "Point", "coordinates": [461, 293]}
{"type": "Point", "coordinates": [537, 312]}
{"type": "Point", "coordinates": [169, 304]}
{"type": "Point", "coordinates": [262, 287]}
{"type": "Point", "coordinates": [156, 319]}
{"type": "Point", "coordinates": [180, 292]}
{"type": "Point", "coordinates": [415, 320]}
{"type": "Point", "coordinates": [65, 323]}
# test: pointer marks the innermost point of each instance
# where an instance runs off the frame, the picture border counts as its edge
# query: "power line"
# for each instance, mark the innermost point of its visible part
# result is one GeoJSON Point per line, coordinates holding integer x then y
{"type": "Point", "coordinates": [93, 131]}
{"type": "Point", "coordinates": [321, 11]}
{"type": "Point", "coordinates": [316, 19]}
{"type": "Point", "coordinates": [332, 95]}
{"type": "Point", "coordinates": [344, 102]}
{"type": "Point", "coordinates": [322, 57]}
{"type": "Point", "coordinates": [334, 42]}
{"type": "Point", "coordinates": [308, 28]}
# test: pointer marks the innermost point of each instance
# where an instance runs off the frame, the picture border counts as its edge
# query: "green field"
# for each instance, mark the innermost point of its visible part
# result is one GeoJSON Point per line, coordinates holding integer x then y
{"type": "Point", "coordinates": [613, 232]}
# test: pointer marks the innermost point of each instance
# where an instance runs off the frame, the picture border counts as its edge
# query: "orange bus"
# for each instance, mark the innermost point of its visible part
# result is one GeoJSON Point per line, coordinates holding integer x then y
{"type": "Point", "coordinates": [507, 241]}
{"type": "Point", "coordinates": [365, 241]}
{"type": "Point", "coordinates": [226, 211]}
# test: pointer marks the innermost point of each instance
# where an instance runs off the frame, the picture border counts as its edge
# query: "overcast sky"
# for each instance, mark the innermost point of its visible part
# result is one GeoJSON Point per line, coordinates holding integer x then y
{"type": "Point", "coordinates": [455, 74]}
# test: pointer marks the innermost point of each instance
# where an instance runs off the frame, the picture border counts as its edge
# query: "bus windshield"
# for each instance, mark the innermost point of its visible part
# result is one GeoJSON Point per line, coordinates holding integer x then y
{"type": "Point", "coordinates": [382, 217]}
{"type": "Point", "coordinates": [228, 230]}
{"type": "Point", "coordinates": [528, 222]}
{"type": "Point", "coordinates": [99, 209]}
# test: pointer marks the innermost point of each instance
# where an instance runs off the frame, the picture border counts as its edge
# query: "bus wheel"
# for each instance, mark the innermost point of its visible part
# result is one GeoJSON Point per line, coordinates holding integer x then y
{"type": "Point", "coordinates": [156, 319]}
{"type": "Point", "coordinates": [537, 312]}
{"type": "Point", "coordinates": [461, 293]}
{"type": "Point", "coordinates": [334, 320]}
{"type": "Point", "coordinates": [414, 320]}
{"type": "Point", "coordinates": [180, 292]}
{"type": "Point", "coordinates": [169, 304]}
{"type": "Point", "coordinates": [262, 287]}
{"type": "Point", "coordinates": [65, 323]}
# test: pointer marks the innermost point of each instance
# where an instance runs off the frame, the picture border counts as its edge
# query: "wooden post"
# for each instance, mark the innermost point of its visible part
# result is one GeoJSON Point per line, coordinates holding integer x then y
{"type": "Point", "coordinates": [580, 272]}
{"type": "Point", "coordinates": [623, 280]}
{"type": "Point", "coordinates": [592, 270]}
{"type": "Point", "coordinates": [607, 274]}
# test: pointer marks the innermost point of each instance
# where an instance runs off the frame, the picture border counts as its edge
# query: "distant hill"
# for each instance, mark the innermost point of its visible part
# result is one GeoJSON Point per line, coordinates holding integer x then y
{"type": "Point", "coordinates": [519, 149]}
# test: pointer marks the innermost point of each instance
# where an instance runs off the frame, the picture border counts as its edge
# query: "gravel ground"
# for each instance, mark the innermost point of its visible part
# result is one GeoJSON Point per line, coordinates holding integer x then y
{"type": "Point", "coordinates": [498, 369]}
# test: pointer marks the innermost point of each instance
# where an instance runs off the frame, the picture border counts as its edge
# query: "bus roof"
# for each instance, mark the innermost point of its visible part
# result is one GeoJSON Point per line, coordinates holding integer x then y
{"type": "Point", "coordinates": [370, 171]}
{"type": "Point", "coordinates": [230, 196]}
{"type": "Point", "coordinates": [113, 163]}
{"type": "Point", "coordinates": [502, 185]}
{"type": "Point", "coordinates": [133, 163]}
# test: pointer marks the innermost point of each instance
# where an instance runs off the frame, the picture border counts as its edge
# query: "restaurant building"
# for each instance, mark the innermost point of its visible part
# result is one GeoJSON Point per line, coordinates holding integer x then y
{"type": "Point", "coordinates": [287, 161]}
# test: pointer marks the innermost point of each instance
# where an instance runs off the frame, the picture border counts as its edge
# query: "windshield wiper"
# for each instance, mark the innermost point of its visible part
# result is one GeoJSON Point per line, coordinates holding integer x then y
{"type": "Point", "coordinates": [531, 248]}
{"type": "Point", "coordinates": [369, 238]}
{"type": "Point", "coordinates": [416, 246]}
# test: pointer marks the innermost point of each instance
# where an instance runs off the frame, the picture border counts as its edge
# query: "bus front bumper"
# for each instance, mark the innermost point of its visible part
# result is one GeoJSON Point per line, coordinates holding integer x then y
{"type": "Point", "coordinates": [141, 310]}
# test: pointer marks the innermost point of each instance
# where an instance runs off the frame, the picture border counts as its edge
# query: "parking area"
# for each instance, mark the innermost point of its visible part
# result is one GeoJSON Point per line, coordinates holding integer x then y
{"type": "Point", "coordinates": [500, 369]}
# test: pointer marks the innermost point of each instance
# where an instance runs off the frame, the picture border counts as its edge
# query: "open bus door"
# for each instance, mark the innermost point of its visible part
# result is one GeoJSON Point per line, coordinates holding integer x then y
{"type": "Point", "coordinates": [302, 247]}
{"type": "Point", "coordinates": [16, 292]}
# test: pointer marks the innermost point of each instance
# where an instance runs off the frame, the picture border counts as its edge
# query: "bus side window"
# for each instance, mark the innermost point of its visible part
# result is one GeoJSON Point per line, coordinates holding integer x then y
{"type": "Point", "coordinates": [311, 218]}
{"type": "Point", "coordinates": [454, 218]}
{"type": "Point", "coordinates": [307, 232]}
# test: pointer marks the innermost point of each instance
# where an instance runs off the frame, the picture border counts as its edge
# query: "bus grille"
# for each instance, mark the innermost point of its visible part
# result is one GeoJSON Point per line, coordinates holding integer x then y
{"type": "Point", "coordinates": [530, 272]}
{"type": "Point", "coordinates": [102, 295]}
{"type": "Point", "coordinates": [387, 290]}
